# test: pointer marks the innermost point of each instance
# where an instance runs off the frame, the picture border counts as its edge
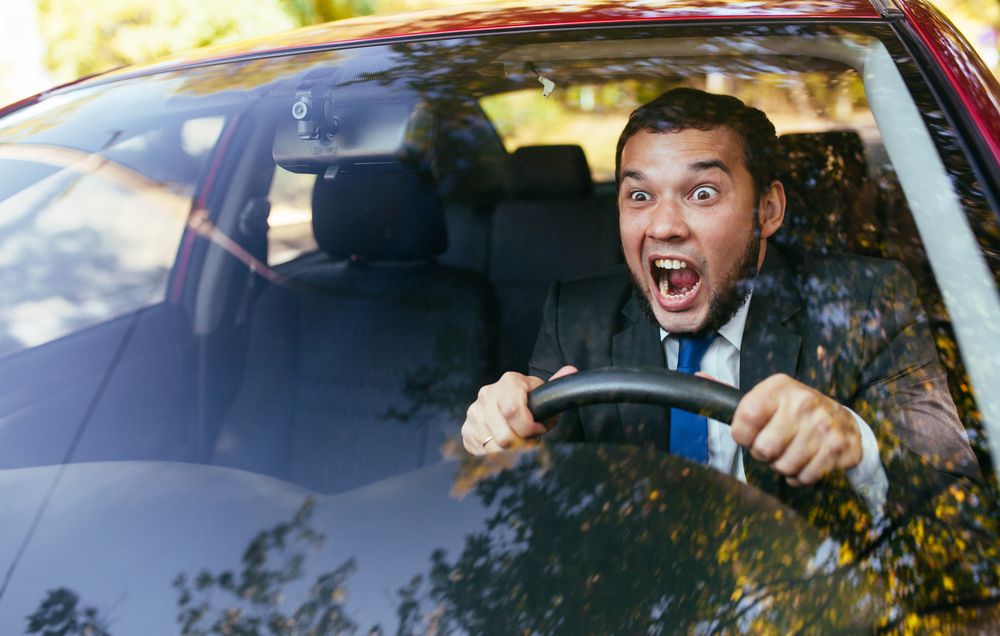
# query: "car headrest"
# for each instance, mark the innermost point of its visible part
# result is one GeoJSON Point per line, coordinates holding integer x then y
{"type": "Point", "coordinates": [469, 160]}
{"type": "Point", "coordinates": [816, 150]}
{"type": "Point", "coordinates": [830, 199]}
{"type": "Point", "coordinates": [381, 213]}
{"type": "Point", "coordinates": [550, 171]}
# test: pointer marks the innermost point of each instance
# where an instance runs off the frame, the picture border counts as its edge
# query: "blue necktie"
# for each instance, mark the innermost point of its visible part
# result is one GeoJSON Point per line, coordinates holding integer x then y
{"type": "Point", "coordinates": [689, 432]}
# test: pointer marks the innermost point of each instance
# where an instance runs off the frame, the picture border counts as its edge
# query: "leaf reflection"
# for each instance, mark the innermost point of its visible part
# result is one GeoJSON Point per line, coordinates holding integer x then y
{"type": "Point", "coordinates": [253, 596]}
{"type": "Point", "coordinates": [60, 614]}
{"type": "Point", "coordinates": [609, 539]}
{"type": "Point", "coordinates": [613, 541]}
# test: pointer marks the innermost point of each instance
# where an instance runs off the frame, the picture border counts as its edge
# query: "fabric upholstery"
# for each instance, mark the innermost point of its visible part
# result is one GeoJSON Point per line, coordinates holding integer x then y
{"type": "Point", "coordinates": [362, 368]}
{"type": "Point", "coordinates": [469, 236]}
{"type": "Point", "coordinates": [537, 240]}
{"type": "Point", "coordinates": [379, 213]}
{"type": "Point", "coordinates": [550, 171]}
{"type": "Point", "coordinates": [831, 202]}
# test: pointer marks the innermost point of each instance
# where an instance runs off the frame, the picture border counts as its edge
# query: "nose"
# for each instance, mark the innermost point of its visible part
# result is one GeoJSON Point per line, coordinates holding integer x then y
{"type": "Point", "coordinates": [667, 222]}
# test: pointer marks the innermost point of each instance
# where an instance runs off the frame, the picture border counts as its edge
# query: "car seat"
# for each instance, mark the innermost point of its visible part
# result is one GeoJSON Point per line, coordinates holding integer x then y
{"type": "Point", "coordinates": [552, 227]}
{"type": "Point", "coordinates": [831, 202]}
{"type": "Point", "coordinates": [362, 366]}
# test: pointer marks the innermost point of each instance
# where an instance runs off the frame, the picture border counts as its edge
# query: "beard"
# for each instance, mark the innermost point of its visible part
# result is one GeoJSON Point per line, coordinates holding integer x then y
{"type": "Point", "coordinates": [732, 293]}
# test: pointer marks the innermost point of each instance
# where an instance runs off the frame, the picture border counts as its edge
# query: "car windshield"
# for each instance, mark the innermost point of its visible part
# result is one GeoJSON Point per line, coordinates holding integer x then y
{"type": "Point", "coordinates": [247, 304]}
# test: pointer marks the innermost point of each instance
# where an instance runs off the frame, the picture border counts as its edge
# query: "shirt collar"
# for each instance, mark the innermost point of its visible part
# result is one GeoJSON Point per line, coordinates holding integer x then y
{"type": "Point", "coordinates": [732, 331]}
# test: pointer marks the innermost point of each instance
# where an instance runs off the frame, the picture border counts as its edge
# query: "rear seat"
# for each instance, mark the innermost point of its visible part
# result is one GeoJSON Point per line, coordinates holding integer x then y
{"type": "Point", "coordinates": [834, 206]}
{"type": "Point", "coordinates": [551, 227]}
{"type": "Point", "coordinates": [832, 203]}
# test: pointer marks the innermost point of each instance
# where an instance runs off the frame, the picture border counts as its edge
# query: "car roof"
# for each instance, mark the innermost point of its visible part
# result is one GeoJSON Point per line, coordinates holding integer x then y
{"type": "Point", "coordinates": [503, 16]}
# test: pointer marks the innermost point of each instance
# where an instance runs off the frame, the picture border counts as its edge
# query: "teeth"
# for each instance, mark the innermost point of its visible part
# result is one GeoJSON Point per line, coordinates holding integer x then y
{"type": "Point", "coordinates": [665, 290]}
{"type": "Point", "coordinates": [669, 263]}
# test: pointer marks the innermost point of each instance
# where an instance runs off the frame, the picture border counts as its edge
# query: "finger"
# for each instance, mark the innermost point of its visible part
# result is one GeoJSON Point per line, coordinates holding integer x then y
{"type": "Point", "coordinates": [837, 442]}
{"type": "Point", "coordinates": [512, 404]}
{"type": "Point", "coordinates": [563, 372]}
{"type": "Point", "coordinates": [758, 407]}
{"type": "Point", "coordinates": [754, 411]}
{"type": "Point", "coordinates": [472, 447]}
{"type": "Point", "coordinates": [498, 430]}
{"type": "Point", "coordinates": [799, 452]}
{"type": "Point", "coordinates": [773, 440]}
{"type": "Point", "coordinates": [750, 417]}
{"type": "Point", "coordinates": [821, 463]}
{"type": "Point", "coordinates": [472, 430]}
{"type": "Point", "coordinates": [702, 374]}
{"type": "Point", "coordinates": [496, 403]}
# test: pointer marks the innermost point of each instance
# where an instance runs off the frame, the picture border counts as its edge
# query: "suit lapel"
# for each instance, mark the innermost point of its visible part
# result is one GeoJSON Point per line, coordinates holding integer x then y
{"type": "Point", "coordinates": [770, 343]}
{"type": "Point", "coordinates": [638, 345]}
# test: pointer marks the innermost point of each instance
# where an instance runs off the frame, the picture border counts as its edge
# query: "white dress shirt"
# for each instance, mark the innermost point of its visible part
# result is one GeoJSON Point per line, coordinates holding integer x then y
{"type": "Point", "coordinates": [722, 361]}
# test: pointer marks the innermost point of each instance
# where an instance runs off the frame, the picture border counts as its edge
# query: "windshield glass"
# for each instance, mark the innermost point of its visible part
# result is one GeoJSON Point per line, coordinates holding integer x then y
{"type": "Point", "coordinates": [249, 311]}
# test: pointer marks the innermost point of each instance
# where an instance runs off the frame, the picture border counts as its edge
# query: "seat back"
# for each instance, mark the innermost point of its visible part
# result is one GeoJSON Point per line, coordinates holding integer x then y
{"type": "Point", "coordinates": [551, 227]}
{"type": "Point", "coordinates": [364, 366]}
{"type": "Point", "coordinates": [831, 201]}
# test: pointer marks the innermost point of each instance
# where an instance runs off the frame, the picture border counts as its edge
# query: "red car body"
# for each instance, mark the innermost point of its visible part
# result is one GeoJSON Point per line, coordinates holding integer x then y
{"type": "Point", "coordinates": [124, 510]}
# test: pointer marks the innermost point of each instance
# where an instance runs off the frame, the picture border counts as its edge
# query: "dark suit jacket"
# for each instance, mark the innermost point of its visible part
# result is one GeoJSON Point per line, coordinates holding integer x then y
{"type": "Point", "coordinates": [848, 326]}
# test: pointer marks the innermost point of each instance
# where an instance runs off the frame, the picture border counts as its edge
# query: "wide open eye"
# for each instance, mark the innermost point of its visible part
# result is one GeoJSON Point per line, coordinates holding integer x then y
{"type": "Point", "coordinates": [639, 195]}
{"type": "Point", "coordinates": [704, 193]}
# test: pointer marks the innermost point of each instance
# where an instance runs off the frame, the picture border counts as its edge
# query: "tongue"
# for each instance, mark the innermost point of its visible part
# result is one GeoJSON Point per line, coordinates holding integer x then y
{"type": "Point", "coordinates": [682, 280]}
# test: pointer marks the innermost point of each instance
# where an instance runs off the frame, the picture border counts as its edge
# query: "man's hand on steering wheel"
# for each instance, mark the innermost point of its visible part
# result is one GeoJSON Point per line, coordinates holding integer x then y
{"type": "Point", "coordinates": [801, 433]}
{"type": "Point", "coordinates": [499, 418]}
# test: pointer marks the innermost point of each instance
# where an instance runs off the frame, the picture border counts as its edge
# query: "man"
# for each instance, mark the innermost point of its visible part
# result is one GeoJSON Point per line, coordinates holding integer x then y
{"type": "Point", "coordinates": [840, 373]}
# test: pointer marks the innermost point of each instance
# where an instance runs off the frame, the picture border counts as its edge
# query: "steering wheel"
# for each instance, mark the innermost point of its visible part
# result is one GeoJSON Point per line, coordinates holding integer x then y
{"type": "Point", "coordinates": [647, 385]}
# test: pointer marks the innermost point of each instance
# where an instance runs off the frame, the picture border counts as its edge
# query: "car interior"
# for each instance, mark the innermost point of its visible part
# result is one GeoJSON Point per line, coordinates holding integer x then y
{"type": "Point", "coordinates": [379, 248]}
{"type": "Point", "coordinates": [450, 285]}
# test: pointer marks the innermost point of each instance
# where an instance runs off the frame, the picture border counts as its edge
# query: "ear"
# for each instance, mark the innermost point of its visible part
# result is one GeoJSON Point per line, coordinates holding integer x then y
{"type": "Point", "coordinates": [772, 209]}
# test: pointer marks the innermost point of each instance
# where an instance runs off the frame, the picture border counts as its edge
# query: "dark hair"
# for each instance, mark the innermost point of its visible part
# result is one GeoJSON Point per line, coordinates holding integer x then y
{"type": "Point", "coordinates": [684, 108]}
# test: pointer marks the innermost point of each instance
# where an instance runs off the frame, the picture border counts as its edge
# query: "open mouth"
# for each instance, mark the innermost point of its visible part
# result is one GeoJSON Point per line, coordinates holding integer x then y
{"type": "Point", "coordinates": [676, 280]}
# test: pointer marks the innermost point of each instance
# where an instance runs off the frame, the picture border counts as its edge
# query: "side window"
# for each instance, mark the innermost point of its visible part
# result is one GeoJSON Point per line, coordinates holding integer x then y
{"type": "Point", "coordinates": [290, 221]}
{"type": "Point", "coordinates": [942, 227]}
{"type": "Point", "coordinates": [88, 236]}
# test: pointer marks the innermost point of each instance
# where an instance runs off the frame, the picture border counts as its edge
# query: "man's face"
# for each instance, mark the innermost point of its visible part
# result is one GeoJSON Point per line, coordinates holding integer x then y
{"type": "Point", "coordinates": [686, 214]}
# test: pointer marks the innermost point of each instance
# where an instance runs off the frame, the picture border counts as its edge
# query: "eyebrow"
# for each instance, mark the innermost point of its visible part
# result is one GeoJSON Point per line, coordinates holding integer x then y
{"type": "Point", "coordinates": [702, 166]}
{"type": "Point", "coordinates": [695, 167]}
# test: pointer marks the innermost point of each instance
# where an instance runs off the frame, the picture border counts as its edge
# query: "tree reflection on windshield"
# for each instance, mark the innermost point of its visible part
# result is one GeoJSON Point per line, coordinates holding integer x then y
{"type": "Point", "coordinates": [638, 542]}
{"type": "Point", "coordinates": [253, 596]}
{"type": "Point", "coordinates": [60, 613]}
{"type": "Point", "coordinates": [609, 539]}
{"type": "Point", "coordinates": [603, 539]}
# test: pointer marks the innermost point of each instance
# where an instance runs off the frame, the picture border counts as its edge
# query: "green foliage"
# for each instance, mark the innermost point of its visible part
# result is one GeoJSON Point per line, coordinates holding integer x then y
{"type": "Point", "coordinates": [306, 12]}
{"type": "Point", "coordinates": [250, 601]}
{"type": "Point", "coordinates": [83, 38]}
{"type": "Point", "coordinates": [60, 614]}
